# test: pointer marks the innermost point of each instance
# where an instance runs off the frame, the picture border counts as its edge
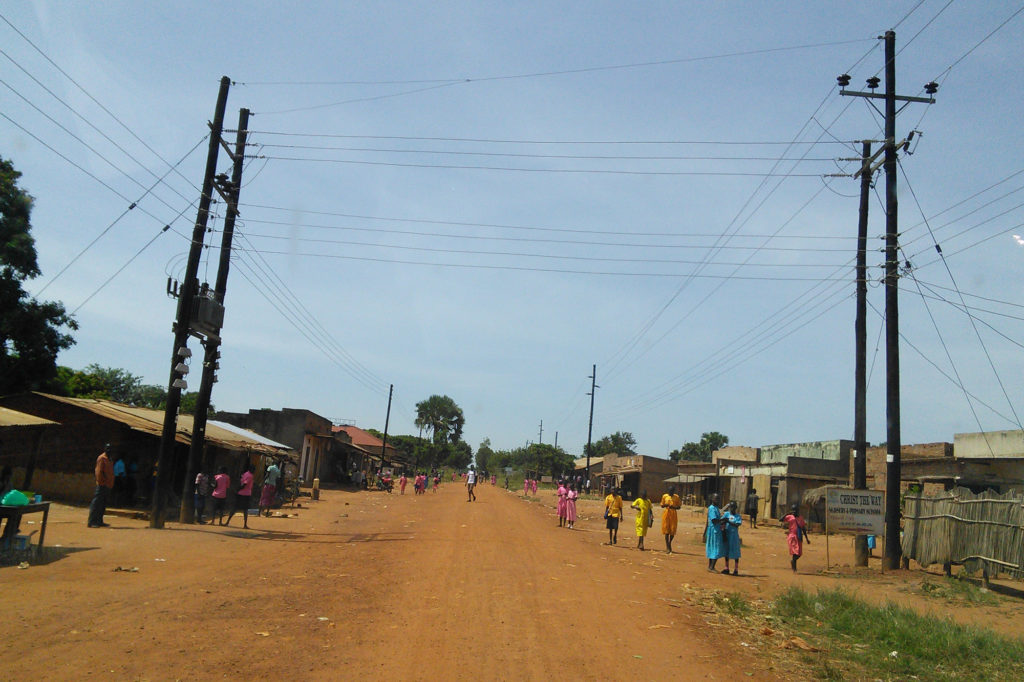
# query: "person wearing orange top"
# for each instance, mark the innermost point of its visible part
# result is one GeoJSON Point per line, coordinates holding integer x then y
{"type": "Point", "coordinates": [670, 502]}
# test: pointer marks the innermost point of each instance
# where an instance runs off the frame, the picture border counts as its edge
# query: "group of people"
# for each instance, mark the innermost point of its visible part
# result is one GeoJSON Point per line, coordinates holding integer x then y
{"type": "Point", "coordinates": [214, 489]}
{"type": "Point", "coordinates": [419, 483]}
{"type": "Point", "coordinates": [566, 508]}
{"type": "Point", "coordinates": [670, 504]}
{"type": "Point", "coordinates": [722, 534]}
{"type": "Point", "coordinates": [529, 486]}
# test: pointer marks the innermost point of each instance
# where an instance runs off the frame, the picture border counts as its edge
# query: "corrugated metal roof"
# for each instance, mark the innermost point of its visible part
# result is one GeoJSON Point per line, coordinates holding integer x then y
{"type": "Point", "coordinates": [9, 417]}
{"type": "Point", "coordinates": [151, 421]}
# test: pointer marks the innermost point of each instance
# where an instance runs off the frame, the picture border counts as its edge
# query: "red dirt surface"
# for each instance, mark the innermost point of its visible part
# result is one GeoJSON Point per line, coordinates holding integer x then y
{"type": "Point", "coordinates": [410, 587]}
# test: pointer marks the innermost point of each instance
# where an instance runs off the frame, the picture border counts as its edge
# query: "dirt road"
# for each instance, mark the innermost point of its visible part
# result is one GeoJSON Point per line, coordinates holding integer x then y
{"type": "Point", "coordinates": [411, 587]}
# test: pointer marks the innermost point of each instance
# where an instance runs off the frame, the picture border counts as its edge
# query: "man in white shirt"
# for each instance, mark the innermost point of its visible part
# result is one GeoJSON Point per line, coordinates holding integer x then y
{"type": "Point", "coordinates": [470, 484]}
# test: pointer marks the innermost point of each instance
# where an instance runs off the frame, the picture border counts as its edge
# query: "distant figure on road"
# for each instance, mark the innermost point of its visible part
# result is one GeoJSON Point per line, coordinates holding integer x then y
{"type": "Point", "coordinates": [643, 518]}
{"type": "Point", "coordinates": [104, 484]}
{"type": "Point", "coordinates": [560, 508]}
{"type": "Point", "coordinates": [732, 523]}
{"type": "Point", "coordinates": [796, 532]}
{"type": "Point", "coordinates": [713, 533]}
{"type": "Point", "coordinates": [402, 482]}
{"type": "Point", "coordinates": [612, 514]}
{"type": "Point", "coordinates": [220, 494]}
{"type": "Point", "coordinates": [533, 486]}
{"type": "Point", "coordinates": [470, 484]}
{"type": "Point", "coordinates": [243, 497]}
{"type": "Point", "coordinates": [752, 504]}
{"type": "Point", "coordinates": [526, 487]}
{"type": "Point", "coordinates": [120, 492]}
{"type": "Point", "coordinates": [570, 506]}
{"type": "Point", "coordinates": [269, 492]}
{"type": "Point", "coordinates": [670, 502]}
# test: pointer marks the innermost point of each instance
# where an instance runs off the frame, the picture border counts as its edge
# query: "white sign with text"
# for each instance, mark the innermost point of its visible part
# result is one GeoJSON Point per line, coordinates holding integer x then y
{"type": "Point", "coordinates": [855, 511]}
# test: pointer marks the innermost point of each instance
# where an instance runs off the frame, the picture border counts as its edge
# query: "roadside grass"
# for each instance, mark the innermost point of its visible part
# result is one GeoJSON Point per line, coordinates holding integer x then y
{"type": "Point", "coordinates": [958, 589]}
{"type": "Point", "coordinates": [862, 641]}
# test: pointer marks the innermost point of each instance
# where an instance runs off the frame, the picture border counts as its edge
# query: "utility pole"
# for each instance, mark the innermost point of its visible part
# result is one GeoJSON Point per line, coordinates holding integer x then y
{"type": "Point", "coordinates": [590, 427]}
{"type": "Point", "coordinates": [860, 542]}
{"type": "Point", "coordinates": [182, 324]}
{"type": "Point", "coordinates": [893, 550]}
{"type": "Point", "coordinates": [230, 191]}
{"type": "Point", "coordinates": [540, 436]}
{"type": "Point", "coordinates": [387, 421]}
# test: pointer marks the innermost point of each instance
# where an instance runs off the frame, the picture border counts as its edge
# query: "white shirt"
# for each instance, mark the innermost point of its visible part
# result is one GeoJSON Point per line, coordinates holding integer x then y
{"type": "Point", "coordinates": [471, 477]}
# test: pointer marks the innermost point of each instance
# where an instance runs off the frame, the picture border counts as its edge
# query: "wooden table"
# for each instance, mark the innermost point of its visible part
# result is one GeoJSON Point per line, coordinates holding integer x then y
{"type": "Point", "coordinates": [13, 514]}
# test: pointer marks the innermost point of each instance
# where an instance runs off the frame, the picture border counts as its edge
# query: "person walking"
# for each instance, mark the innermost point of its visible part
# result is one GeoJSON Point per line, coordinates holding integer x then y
{"type": "Point", "coordinates": [269, 492]}
{"type": "Point", "coordinates": [644, 519]}
{"type": "Point", "coordinates": [104, 473]}
{"type": "Point", "coordinates": [713, 533]}
{"type": "Point", "coordinates": [753, 502]}
{"type": "Point", "coordinates": [570, 506]}
{"type": "Point", "coordinates": [612, 514]}
{"type": "Point", "coordinates": [470, 484]}
{"type": "Point", "coordinates": [670, 504]}
{"type": "Point", "coordinates": [732, 522]}
{"type": "Point", "coordinates": [796, 533]}
{"type": "Point", "coordinates": [402, 482]}
{"type": "Point", "coordinates": [243, 496]}
{"type": "Point", "coordinates": [220, 494]}
{"type": "Point", "coordinates": [562, 492]}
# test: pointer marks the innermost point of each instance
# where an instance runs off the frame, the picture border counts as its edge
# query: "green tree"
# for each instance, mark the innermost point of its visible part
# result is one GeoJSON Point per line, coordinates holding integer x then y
{"type": "Point", "coordinates": [484, 454]}
{"type": "Point", "coordinates": [31, 332]}
{"type": "Point", "coordinates": [619, 443]}
{"type": "Point", "coordinates": [440, 417]}
{"type": "Point", "coordinates": [701, 451]}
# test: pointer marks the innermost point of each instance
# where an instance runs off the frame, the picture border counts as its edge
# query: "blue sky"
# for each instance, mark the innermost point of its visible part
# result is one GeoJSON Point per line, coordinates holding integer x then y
{"type": "Point", "coordinates": [485, 199]}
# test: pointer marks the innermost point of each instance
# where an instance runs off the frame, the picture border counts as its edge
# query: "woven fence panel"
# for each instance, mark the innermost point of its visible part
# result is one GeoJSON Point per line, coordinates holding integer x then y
{"type": "Point", "coordinates": [981, 530]}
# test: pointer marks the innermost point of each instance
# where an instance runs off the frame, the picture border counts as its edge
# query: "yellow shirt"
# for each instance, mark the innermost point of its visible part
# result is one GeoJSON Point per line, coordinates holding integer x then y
{"type": "Point", "coordinates": [672, 501]}
{"type": "Point", "coordinates": [613, 503]}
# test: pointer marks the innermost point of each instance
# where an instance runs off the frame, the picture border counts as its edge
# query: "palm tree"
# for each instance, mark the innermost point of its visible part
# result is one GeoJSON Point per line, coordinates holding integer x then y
{"type": "Point", "coordinates": [441, 417]}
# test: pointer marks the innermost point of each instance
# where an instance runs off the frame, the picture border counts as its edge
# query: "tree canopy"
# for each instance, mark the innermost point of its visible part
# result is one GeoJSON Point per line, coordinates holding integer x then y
{"type": "Point", "coordinates": [31, 332]}
{"type": "Point", "coordinates": [119, 385]}
{"type": "Point", "coordinates": [619, 443]}
{"type": "Point", "coordinates": [700, 451]}
{"type": "Point", "coordinates": [440, 417]}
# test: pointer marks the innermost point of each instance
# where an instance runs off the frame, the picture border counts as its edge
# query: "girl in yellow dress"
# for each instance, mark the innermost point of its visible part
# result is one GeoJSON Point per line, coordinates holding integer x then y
{"type": "Point", "coordinates": [643, 518]}
{"type": "Point", "coordinates": [670, 502]}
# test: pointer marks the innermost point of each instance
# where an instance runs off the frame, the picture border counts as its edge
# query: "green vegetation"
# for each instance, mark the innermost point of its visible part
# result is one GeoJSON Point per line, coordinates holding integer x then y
{"type": "Point", "coordinates": [889, 642]}
{"type": "Point", "coordinates": [700, 451]}
{"type": "Point", "coordinates": [734, 604]}
{"type": "Point", "coordinates": [31, 332]}
{"type": "Point", "coordinates": [958, 590]}
{"type": "Point", "coordinates": [111, 383]}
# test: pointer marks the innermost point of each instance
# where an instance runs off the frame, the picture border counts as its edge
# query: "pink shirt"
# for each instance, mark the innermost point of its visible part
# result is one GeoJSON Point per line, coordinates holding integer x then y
{"type": "Point", "coordinates": [246, 488]}
{"type": "Point", "coordinates": [220, 489]}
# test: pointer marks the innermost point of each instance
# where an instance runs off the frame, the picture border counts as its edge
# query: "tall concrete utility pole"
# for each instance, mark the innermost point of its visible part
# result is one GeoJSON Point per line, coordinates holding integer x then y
{"type": "Point", "coordinates": [387, 421]}
{"type": "Point", "coordinates": [860, 542]}
{"type": "Point", "coordinates": [893, 550]}
{"type": "Point", "coordinates": [182, 324]}
{"type": "Point", "coordinates": [230, 191]}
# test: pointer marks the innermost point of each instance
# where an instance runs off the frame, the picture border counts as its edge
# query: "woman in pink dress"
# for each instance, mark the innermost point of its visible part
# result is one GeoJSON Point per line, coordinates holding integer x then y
{"type": "Point", "coordinates": [570, 505]}
{"type": "Point", "coordinates": [402, 482]}
{"type": "Point", "coordinates": [562, 492]}
{"type": "Point", "coordinates": [796, 532]}
{"type": "Point", "coordinates": [526, 486]}
{"type": "Point", "coordinates": [533, 485]}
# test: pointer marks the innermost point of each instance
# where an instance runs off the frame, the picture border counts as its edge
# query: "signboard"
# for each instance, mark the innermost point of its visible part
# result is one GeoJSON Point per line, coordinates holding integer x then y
{"type": "Point", "coordinates": [855, 511]}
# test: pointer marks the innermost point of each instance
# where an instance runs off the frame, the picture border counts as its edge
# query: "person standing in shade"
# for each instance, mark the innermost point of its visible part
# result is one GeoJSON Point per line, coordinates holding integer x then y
{"type": "Point", "coordinates": [470, 484]}
{"type": "Point", "coordinates": [119, 494]}
{"type": "Point", "coordinates": [243, 496]}
{"type": "Point", "coordinates": [732, 521]}
{"type": "Point", "coordinates": [612, 514]}
{"type": "Point", "coordinates": [670, 503]}
{"type": "Point", "coordinates": [713, 549]}
{"type": "Point", "coordinates": [220, 494]}
{"type": "Point", "coordinates": [269, 492]}
{"type": "Point", "coordinates": [753, 501]}
{"type": "Point", "coordinates": [104, 484]}
{"type": "Point", "coordinates": [202, 491]}
{"type": "Point", "coordinates": [796, 533]}
{"type": "Point", "coordinates": [643, 518]}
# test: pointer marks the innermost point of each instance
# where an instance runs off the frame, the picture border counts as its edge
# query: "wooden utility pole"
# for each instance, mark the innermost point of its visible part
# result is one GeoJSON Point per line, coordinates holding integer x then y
{"type": "Point", "coordinates": [182, 324]}
{"type": "Point", "coordinates": [590, 427]}
{"type": "Point", "coordinates": [387, 421]}
{"type": "Point", "coordinates": [231, 191]}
